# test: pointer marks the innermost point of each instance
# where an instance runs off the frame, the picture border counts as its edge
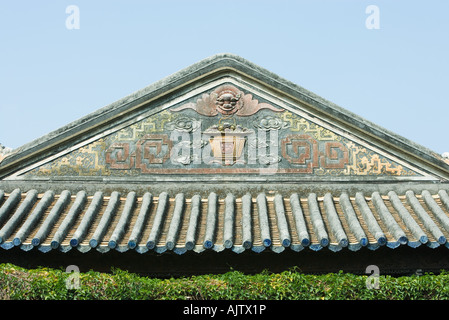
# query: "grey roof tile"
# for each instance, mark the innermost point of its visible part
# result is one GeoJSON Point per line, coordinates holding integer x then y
{"type": "Point", "coordinates": [88, 217]}
{"type": "Point", "coordinates": [139, 225]}
{"type": "Point", "coordinates": [9, 204]}
{"type": "Point", "coordinates": [175, 222]}
{"type": "Point", "coordinates": [389, 221]}
{"type": "Point", "coordinates": [263, 220]}
{"type": "Point", "coordinates": [105, 219]}
{"type": "Point", "coordinates": [228, 231]}
{"type": "Point", "coordinates": [193, 222]}
{"type": "Point", "coordinates": [410, 223]}
{"type": "Point", "coordinates": [33, 218]}
{"type": "Point", "coordinates": [18, 215]}
{"type": "Point", "coordinates": [282, 221]}
{"type": "Point", "coordinates": [300, 222]}
{"type": "Point", "coordinates": [317, 222]}
{"type": "Point", "coordinates": [335, 222]}
{"type": "Point", "coordinates": [353, 222]}
{"type": "Point", "coordinates": [78, 205]}
{"type": "Point", "coordinates": [436, 210]}
{"type": "Point", "coordinates": [427, 221]}
{"type": "Point", "coordinates": [256, 222]}
{"type": "Point", "coordinates": [208, 242]}
{"type": "Point", "coordinates": [247, 239]}
{"type": "Point", "coordinates": [371, 222]}
{"type": "Point", "coordinates": [158, 220]}
{"type": "Point", "coordinates": [50, 220]}
{"type": "Point", "coordinates": [124, 221]}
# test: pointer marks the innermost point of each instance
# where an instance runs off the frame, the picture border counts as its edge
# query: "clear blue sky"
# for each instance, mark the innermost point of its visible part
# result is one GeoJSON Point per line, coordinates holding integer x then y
{"type": "Point", "coordinates": [396, 76]}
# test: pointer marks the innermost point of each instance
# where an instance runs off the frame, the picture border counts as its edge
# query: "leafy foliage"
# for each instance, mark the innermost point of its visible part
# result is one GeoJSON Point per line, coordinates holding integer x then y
{"type": "Point", "coordinates": [43, 284]}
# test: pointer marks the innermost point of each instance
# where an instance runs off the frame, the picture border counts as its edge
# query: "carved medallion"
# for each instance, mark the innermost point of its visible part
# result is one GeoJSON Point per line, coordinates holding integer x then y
{"type": "Point", "coordinates": [227, 100]}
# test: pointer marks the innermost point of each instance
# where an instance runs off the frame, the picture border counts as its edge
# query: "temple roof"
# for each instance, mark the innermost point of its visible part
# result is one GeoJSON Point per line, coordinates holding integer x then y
{"type": "Point", "coordinates": [223, 155]}
{"type": "Point", "coordinates": [160, 222]}
{"type": "Point", "coordinates": [260, 88]}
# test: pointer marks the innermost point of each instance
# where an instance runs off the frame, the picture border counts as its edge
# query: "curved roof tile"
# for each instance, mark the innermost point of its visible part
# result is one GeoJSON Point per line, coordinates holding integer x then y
{"type": "Point", "coordinates": [141, 222]}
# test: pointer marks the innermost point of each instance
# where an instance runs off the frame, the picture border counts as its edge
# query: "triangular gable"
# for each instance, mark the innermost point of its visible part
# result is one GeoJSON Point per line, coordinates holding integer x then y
{"type": "Point", "coordinates": [220, 156]}
{"type": "Point", "coordinates": [232, 121]}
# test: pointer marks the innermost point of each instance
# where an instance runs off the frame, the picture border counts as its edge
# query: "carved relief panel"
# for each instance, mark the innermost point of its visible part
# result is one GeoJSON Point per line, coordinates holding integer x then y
{"type": "Point", "coordinates": [223, 131]}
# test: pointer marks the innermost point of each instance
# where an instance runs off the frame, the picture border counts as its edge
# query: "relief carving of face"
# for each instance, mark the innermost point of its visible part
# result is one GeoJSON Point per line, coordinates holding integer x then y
{"type": "Point", "coordinates": [228, 101]}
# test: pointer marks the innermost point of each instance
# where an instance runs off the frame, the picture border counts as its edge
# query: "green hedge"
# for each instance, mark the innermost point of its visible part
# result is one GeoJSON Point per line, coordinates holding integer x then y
{"type": "Point", "coordinates": [44, 284]}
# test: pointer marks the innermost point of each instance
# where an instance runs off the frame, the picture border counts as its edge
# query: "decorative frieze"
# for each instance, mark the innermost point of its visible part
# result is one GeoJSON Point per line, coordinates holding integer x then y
{"type": "Point", "coordinates": [224, 131]}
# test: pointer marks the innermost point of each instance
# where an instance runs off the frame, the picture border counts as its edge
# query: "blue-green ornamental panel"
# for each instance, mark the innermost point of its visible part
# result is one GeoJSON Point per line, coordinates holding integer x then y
{"type": "Point", "coordinates": [225, 130]}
